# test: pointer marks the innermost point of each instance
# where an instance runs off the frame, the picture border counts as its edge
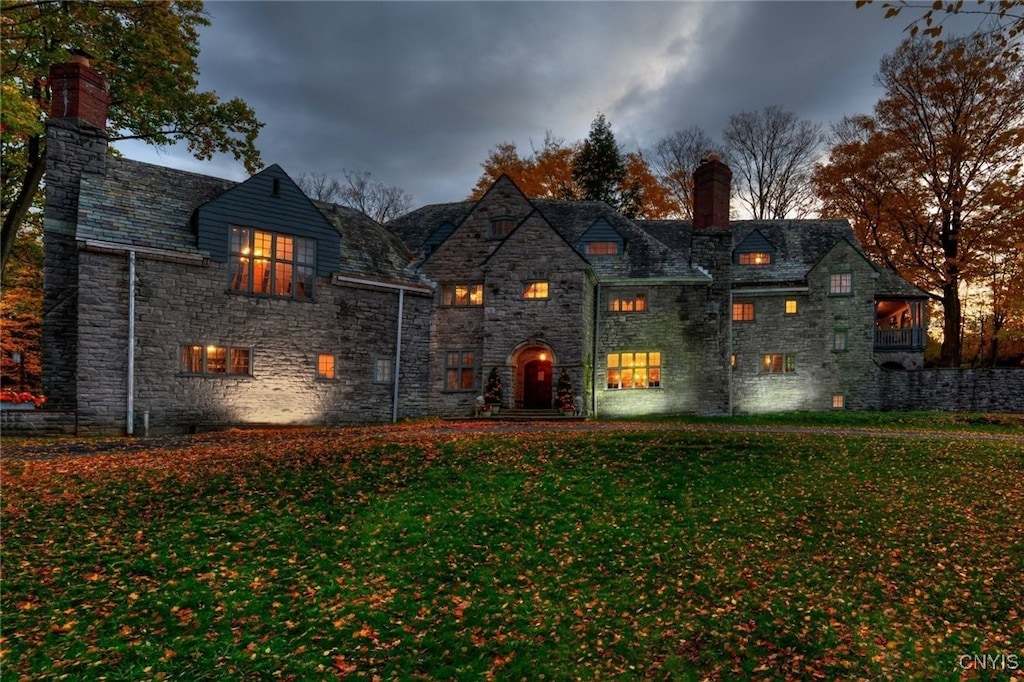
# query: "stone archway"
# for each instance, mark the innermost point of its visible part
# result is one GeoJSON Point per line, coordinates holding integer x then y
{"type": "Point", "coordinates": [534, 363]}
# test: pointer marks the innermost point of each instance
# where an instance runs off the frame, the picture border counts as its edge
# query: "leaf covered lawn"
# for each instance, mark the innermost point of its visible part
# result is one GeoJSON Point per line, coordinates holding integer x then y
{"type": "Point", "coordinates": [406, 553]}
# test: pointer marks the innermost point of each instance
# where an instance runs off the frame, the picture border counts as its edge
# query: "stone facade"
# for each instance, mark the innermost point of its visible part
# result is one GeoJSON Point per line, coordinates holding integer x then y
{"type": "Point", "coordinates": [641, 315]}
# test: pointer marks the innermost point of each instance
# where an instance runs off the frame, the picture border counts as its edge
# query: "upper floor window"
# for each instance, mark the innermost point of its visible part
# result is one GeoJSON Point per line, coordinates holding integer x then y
{"type": "Point", "coordinates": [742, 312]}
{"type": "Point", "coordinates": [535, 290]}
{"type": "Point", "coordinates": [628, 304]}
{"type": "Point", "coordinates": [325, 366]}
{"type": "Point", "coordinates": [755, 258]}
{"type": "Point", "coordinates": [634, 370]}
{"type": "Point", "coordinates": [216, 360]}
{"type": "Point", "coordinates": [501, 228]}
{"type": "Point", "coordinates": [462, 294]}
{"type": "Point", "coordinates": [271, 264]}
{"type": "Point", "coordinates": [840, 284]}
{"type": "Point", "coordinates": [602, 248]}
{"type": "Point", "coordinates": [791, 306]}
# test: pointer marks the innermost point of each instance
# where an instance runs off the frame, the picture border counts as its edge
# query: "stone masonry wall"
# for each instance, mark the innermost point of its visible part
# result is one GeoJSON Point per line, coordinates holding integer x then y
{"type": "Point", "coordinates": [178, 304]}
{"type": "Point", "coordinates": [959, 390]}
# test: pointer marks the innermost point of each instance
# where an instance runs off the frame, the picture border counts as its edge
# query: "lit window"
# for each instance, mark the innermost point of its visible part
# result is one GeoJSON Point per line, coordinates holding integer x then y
{"type": "Point", "coordinates": [382, 370]}
{"type": "Point", "coordinates": [325, 366]}
{"type": "Point", "coordinates": [535, 290]}
{"type": "Point", "coordinates": [459, 370]}
{"type": "Point", "coordinates": [461, 295]}
{"type": "Point", "coordinates": [791, 306]}
{"type": "Point", "coordinates": [755, 258]}
{"type": "Point", "coordinates": [628, 304]}
{"type": "Point", "coordinates": [778, 363]}
{"type": "Point", "coordinates": [216, 360]}
{"type": "Point", "coordinates": [500, 228]}
{"type": "Point", "coordinates": [839, 339]}
{"type": "Point", "coordinates": [838, 401]}
{"type": "Point", "coordinates": [840, 284]}
{"type": "Point", "coordinates": [272, 264]}
{"type": "Point", "coordinates": [733, 360]}
{"type": "Point", "coordinates": [634, 370]}
{"type": "Point", "coordinates": [742, 312]}
{"type": "Point", "coordinates": [602, 248]}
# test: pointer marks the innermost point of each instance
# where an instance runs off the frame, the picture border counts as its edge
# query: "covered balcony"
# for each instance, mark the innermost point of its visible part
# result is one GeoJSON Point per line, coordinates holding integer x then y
{"type": "Point", "coordinates": [900, 325]}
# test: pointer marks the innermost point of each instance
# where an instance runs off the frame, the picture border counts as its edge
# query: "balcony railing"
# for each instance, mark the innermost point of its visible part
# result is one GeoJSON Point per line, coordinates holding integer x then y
{"type": "Point", "coordinates": [910, 338]}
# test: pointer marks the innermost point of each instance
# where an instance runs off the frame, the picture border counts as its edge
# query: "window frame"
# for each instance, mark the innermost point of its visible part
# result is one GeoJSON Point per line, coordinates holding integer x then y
{"type": "Point", "coordinates": [450, 294]}
{"type": "Point", "coordinates": [534, 296]}
{"type": "Point", "coordinates": [205, 350]}
{"type": "Point", "coordinates": [778, 363]}
{"type": "Point", "coordinates": [754, 258]}
{"type": "Point", "coordinates": [618, 368]}
{"type": "Point", "coordinates": [840, 340]}
{"type": "Point", "coordinates": [795, 306]}
{"type": "Point", "coordinates": [838, 401]}
{"type": "Point", "coordinates": [461, 367]}
{"type": "Point", "coordinates": [508, 225]}
{"type": "Point", "coordinates": [637, 303]}
{"type": "Point", "coordinates": [242, 265]}
{"type": "Point", "coordinates": [840, 284]}
{"type": "Point", "coordinates": [743, 309]}
{"type": "Point", "coordinates": [603, 248]}
{"type": "Point", "coordinates": [388, 377]}
{"type": "Point", "coordinates": [319, 374]}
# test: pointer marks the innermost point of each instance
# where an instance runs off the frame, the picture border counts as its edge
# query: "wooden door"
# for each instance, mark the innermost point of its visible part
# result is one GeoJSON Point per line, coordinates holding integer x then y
{"type": "Point", "coordinates": [537, 385]}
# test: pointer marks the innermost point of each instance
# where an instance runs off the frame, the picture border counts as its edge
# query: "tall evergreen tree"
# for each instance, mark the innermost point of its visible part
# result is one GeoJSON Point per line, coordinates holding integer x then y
{"type": "Point", "coordinates": [599, 169]}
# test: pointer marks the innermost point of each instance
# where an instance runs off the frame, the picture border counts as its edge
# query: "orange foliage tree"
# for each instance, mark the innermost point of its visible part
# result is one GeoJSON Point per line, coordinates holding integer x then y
{"type": "Point", "coordinates": [21, 311]}
{"type": "Point", "coordinates": [931, 181]}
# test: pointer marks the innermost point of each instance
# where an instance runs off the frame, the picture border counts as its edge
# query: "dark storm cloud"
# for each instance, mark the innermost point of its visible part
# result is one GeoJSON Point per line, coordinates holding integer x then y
{"type": "Point", "coordinates": [418, 93]}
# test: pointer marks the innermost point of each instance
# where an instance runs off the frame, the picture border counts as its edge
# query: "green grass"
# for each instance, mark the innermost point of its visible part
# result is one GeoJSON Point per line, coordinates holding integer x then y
{"type": "Point", "coordinates": [931, 421]}
{"type": "Point", "coordinates": [409, 554]}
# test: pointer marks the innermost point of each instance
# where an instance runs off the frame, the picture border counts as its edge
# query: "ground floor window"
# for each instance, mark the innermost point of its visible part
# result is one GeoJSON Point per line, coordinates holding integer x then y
{"type": "Point", "coordinates": [325, 366]}
{"type": "Point", "coordinates": [382, 371]}
{"type": "Point", "coordinates": [459, 370]}
{"type": "Point", "coordinates": [778, 363]}
{"type": "Point", "coordinates": [838, 401]}
{"type": "Point", "coordinates": [634, 370]}
{"type": "Point", "coordinates": [213, 360]}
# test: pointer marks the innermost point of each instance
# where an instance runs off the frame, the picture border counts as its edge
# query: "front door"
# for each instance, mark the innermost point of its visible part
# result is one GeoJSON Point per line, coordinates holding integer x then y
{"type": "Point", "coordinates": [537, 385]}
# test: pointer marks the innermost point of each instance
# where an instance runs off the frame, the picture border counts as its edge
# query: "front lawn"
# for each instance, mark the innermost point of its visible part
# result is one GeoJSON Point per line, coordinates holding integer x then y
{"type": "Point", "coordinates": [414, 553]}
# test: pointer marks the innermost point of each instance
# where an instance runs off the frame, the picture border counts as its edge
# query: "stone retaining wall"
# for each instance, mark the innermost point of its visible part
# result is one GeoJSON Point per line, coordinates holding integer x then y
{"type": "Point", "coordinates": [37, 422]}
{"type": "Point", "coordinates": [954, 390]}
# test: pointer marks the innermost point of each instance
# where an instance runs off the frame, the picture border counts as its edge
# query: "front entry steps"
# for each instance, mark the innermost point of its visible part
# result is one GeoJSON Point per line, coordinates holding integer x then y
{"type": "Point", "coordinates": [524, 415]}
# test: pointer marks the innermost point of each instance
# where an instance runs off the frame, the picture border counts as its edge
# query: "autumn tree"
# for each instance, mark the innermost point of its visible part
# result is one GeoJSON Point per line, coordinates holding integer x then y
{"type": "Point", "coordinates": [359, 191]}
{"type": "Point", "coordinates": [1003, 20]}
{"type": "Point", "coordinates": [147, 51]}
{"type": "Point", "coordinates": [553, 172]}
{"type": "Point", "coordinates": [21, 310]}
{"type": "Point", "coordinates": [931, 181]}
{"type": "Point", "coordinates": [673, 160]}
{"type": "Point", "coordinates": [772, 153]}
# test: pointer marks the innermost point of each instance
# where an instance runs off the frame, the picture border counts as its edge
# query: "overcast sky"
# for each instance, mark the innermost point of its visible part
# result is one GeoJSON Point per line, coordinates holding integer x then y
{"type": "Point", "coordinates": [418, 93]}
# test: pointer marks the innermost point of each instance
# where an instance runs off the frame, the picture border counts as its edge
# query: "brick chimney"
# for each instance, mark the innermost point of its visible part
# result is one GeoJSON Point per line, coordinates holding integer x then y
{"type": "Point", "coordinates": [711, 189]}
{"type": "Point", "coordinates": [78, 91]}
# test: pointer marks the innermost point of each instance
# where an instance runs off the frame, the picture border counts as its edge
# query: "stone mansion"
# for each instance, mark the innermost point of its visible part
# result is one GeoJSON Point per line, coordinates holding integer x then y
{"type": "Point", "coordinates": [202, 302]}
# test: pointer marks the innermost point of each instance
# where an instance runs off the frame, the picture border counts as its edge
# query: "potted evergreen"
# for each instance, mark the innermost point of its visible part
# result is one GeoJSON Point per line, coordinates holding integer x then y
{"type": "Point", "coordinates": [493, 391]}
{"type": "Point", "coordinates": [564, 393]}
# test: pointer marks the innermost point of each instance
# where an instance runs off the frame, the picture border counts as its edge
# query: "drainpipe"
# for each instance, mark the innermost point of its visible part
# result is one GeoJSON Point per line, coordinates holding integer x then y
{"type": "Point", "coordinates": [398, 357]}
{"type": "Point", "coordinates": [130, 417]}
{"type": "Point", "coordinates": [593, 362]}
{"type": "Point", "coordinates": [728, 358]}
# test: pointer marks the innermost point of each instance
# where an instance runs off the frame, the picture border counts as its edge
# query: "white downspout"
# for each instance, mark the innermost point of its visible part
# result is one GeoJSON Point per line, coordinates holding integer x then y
{"type": "Point", "coordinates": [130, 417]}
{"type": "Point", "coordinates": [398, 357]}
{"type": "Point", "coordinates": [728, 359]}
{"type": "Point", "coordinates": [593, 363]}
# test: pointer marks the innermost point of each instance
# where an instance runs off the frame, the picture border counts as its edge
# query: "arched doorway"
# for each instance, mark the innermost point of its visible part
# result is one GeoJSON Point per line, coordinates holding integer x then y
{"type": "Point", "coordinates": [534, 363]}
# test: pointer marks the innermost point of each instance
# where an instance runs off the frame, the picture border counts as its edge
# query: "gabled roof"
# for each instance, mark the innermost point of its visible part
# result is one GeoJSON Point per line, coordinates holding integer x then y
{"type": "Point", "coordinates": [368, 249]}
{"type": "Point", "coordinates": [416, 227]}
{"type": "Point", "coordinates": [799, 244]}
{"type": "Point", "coordinates": [140, 204]}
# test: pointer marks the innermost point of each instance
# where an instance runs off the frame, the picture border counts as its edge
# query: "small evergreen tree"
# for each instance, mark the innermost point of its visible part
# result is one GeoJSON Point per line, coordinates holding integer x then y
{"type": "Point", "coordinates": [493, 391]}
{"type": "Point", "coordinates": [599, 169]}
{"type": "Point", "coordinates": [564, 392]}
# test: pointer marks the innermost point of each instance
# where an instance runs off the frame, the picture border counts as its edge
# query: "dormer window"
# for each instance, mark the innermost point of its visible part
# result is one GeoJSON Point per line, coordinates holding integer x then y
{"type": "Point", "coordinates": [501, 228]}
{"type": "Point", "coordinates": [602, 248]}
{"type": "Point", "coordinates": [755, 258]}
{"type": "Point", "coordinates": [271, 264]}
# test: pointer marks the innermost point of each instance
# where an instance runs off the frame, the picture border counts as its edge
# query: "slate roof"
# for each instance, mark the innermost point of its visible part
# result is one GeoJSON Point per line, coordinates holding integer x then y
{"type": "Point", "coordinates": [415, 227]}
{"type": "Point", "coordinates": [140, 204]}
{"type": "Point", "coordinates": [799, 245]}
{"type": "Point", "coordinates": [368, 249]}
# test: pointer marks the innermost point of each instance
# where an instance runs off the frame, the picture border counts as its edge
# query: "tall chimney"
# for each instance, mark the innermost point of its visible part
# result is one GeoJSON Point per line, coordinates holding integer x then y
{"type": "Point", "coordinates": [712, 182]}
{"type": "Point", "coordinates": [78, 91]}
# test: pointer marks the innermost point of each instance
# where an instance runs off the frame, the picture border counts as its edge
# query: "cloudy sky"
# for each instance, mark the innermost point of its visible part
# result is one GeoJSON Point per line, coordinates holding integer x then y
{"type": "Point", "coordinates": [418, 93]}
